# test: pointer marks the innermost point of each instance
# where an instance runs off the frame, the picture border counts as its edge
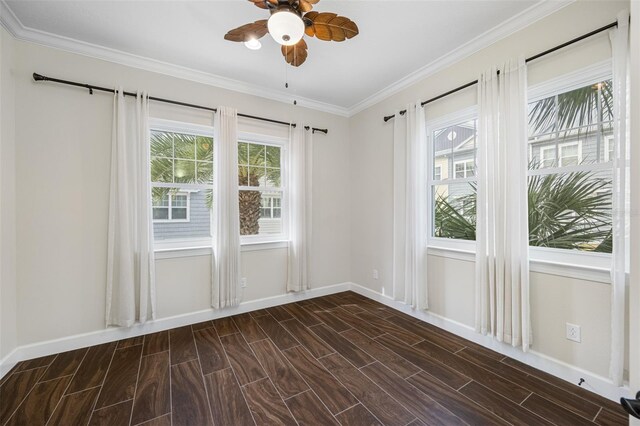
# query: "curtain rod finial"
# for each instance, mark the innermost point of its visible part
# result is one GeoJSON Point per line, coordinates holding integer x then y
{"type": "Point", "coordinates": [38, 77]}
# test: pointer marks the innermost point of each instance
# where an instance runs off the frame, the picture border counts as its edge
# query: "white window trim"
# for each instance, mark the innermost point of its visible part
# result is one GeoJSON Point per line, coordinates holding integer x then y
{"type": "Point", "coordinates": [170, 207]}
{"type": "Point", "coordinates": [283, 144]}
{"type": "Point", "coordinates": [565, 145]}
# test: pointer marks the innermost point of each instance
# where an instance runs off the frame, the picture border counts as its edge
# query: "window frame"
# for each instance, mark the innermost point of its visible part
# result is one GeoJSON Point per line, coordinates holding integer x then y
{"type": "Point", "coordinates": [567, 263]}
{"type": "Point", "coordinates": [164, 125]}
{"type": "Point", "coordinates": [456, 117]}
{"type": "Point", "coordinates": [589, 75]}
{"type": "Point", "coordinates": [283, 144]}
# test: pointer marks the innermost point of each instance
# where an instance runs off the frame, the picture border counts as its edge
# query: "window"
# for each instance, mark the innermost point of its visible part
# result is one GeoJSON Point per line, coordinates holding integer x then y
{"type": "Point", "coordinates": [547, 156]}
{"type": "Point", "coordinates": [570, 153]}
{"type": "Point", "coordinates": [437, 174]}
{"type": "Point", "coordinates": [171, 207]}
{"type": "Point", "coordinates": [608, 149]}
{"type": "Point", "coordinates": [261, 192]}
{"type": "Point", "coordinates": [271, 206]}
{"type": "Point", "coordinates": [181, 182]}
{"type": "Point", "coordinates": [452, 146]}
{"type": "Point", "coordinates": [570, 198]}
{"type": "Point", "coordinates": [464, 169]}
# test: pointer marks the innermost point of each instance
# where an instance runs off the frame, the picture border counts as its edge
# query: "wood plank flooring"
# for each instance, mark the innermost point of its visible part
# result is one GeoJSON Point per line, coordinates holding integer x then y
{"type": "Point", "coordinates": [335, 360]}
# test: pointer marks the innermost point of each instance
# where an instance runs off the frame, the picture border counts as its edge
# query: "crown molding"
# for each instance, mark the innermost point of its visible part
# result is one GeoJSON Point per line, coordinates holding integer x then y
{"type": "Point", "coordinates": [499, 32]}
{"type": "Point", "coordinates": [21, 32]}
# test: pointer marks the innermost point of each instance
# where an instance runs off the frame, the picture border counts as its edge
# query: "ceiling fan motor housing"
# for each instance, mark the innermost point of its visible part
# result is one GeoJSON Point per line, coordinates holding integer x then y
{"type": "Point", "coordinates": [286, 25]}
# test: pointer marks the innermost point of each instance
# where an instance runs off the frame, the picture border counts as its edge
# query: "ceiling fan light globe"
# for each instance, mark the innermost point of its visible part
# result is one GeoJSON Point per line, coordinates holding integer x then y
{"type": "Point", "coordinates": [286, 27]}
{"type": "Point", "coordinates": [253, 44]}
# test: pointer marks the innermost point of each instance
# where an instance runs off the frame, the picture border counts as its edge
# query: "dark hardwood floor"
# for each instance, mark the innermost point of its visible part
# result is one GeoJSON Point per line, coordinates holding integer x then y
{"type": "Point", "coordinates": [339, 359]}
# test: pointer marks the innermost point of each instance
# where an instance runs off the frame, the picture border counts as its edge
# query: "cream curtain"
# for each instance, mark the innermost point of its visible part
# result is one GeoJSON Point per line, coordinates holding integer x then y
{"type": "Point", "coordinates": [130, 259]}
{"type": "Point", "coordinates": [225, 272]}
{"type": "Point", "coordinates": [300, 196]}
{"type": "Point", "coordinates": [621, 194]}
{"type": "Point", "coordinates": [502, 253]}
{"type": "Point", "coordinates": [410, 205]}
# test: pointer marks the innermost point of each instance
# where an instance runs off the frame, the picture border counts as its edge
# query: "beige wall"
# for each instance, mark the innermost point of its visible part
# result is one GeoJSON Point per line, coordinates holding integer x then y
{"type": "Point", "coordinates": [62, 167]}
{"type": "Point", "coordinates": [554, 299]}
{"type": "Point", "coordinates": [8, 330]}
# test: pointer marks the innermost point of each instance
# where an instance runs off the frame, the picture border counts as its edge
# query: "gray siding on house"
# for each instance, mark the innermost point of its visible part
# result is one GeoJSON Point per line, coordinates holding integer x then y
{"type": "Point", "coordinates": [198, 226]}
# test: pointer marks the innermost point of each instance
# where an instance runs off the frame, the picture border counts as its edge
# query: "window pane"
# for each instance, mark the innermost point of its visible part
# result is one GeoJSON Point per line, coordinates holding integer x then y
{"type": "Point", "coordinates": [179, 200]}
{"type": "Point", "coordinates": [273, 177]}
{"type": "Point", "coordinates": [204, 148]}
{"type": "Point", "coordinates": [273, 156]}
{"type": "Point", "coordinates": [160, 213]}
{"type": "Point", "coordinates": [455, 211]}
{"type": "Point", "coordinates": [161, 144]}
{"type": "Point", "coordinates": [178, 213]}
{"type": "Point", "coordinates": [578, 107]}
{"type": "Point", "coordinates": [204, 172]}
{"type": "Point", "coordinates": [185, 171]}
{"type": "Point", "coordinates": [542, 116]}
{"type": "Point", "coordinates": [184, 146]}
{"type": "Point", "coordinates": [161, 170]}
{"type": "Point", "coordinates": [243, 153]}
{"type": "Point", "coordinates": [571, 211]}
{"type": "Point", "coordinates": [255, 218]}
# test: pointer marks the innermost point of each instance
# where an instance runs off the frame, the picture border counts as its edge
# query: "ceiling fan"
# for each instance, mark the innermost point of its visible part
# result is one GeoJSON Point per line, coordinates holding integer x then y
{"type": "Point", "coordinates": [290, 20]}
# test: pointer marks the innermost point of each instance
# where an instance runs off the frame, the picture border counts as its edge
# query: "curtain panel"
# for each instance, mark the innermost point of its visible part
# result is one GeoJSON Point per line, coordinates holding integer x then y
{"type": "Point", "coordinates": [502, 238]}
{"type": "Point", "coordinates": [130, 256]}
{"type": "Point", "coordinates": [300, 199]}
{"type": "Point", "coordinates": [225, 272]}
{"type": "Point", "coordinates": [410, 207]}
{"type": "Point", "coordinates": [621, 194]}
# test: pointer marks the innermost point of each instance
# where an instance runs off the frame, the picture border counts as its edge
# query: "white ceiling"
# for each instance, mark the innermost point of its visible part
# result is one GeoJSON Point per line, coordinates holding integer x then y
{"type": "Point", "coordinates": [396, 39]}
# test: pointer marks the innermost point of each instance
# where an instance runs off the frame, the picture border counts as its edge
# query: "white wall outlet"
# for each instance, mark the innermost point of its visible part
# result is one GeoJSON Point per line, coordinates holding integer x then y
{"type": "Point", "coordinates": [243, 283]}
{"type": "Point", "coordinates": [375, 274]}
{"type": "Point", "coordinates": [573, 332]}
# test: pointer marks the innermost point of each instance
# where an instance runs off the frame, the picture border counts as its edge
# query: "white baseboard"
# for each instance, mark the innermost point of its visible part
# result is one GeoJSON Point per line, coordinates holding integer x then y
{"type": "Point", "coordinates": [593, 382]}
{"type": "Point", "coordinates": [572, 374]}
{"type": "Point", "coordinates": [111, 334]}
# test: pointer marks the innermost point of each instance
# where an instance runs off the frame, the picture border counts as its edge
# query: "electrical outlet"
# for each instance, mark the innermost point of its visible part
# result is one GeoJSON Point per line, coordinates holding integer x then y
{"type": "Point", "coordinates": [243, 283]}
{"type": "Point", "coordinates": [375, 274]}
{"type": "Point", "coordinates": [573, 332]}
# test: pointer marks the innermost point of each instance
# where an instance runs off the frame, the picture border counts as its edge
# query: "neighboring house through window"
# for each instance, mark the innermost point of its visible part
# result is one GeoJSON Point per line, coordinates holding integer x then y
{"type": "Point", "coordinates": [181, 183]}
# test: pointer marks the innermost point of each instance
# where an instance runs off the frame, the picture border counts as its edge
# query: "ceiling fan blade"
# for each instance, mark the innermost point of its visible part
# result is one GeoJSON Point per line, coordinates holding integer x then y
{"type": "Point", "coordinates": [328, 26]}
{"type": "Point", "coordinates": [246, 32]}
{"type": "Point", "coordinates": [296, 54]}
{"type": "Point", "coordinates": [262, 4]}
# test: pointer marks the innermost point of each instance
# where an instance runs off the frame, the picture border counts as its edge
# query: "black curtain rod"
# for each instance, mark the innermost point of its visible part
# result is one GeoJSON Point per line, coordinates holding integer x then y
{"type": "Point", "coordinates": [91, 88]}
{"type": "Point", "coordinates": [532, 58]}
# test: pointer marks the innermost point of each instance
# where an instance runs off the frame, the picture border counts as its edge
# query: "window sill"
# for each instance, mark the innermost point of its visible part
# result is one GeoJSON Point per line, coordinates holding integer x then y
{"type": "Point", "coordinates": [168, 252]}
{"type": "Point", "coordinates": [540, 262]}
